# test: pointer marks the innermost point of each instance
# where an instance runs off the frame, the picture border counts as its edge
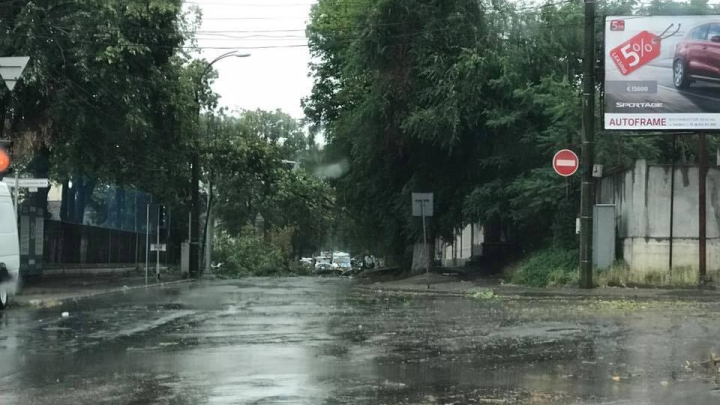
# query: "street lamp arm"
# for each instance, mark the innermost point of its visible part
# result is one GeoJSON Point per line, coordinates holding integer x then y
{"type": "Point", "coordinates": [221, 57]}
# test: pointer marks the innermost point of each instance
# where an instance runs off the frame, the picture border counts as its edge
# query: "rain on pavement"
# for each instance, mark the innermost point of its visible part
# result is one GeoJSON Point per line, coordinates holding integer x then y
{"type": "Point", "coordinates": [321, 341]}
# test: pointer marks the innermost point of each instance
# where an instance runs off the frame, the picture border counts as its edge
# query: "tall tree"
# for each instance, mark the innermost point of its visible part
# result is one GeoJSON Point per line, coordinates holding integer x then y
{"type": "Point", "coordinates": [463, 98]}
{"type": "Point", "coordinates": [104, 97]}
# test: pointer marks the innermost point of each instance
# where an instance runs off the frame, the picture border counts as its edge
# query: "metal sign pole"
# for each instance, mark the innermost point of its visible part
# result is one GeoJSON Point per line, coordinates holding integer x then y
{"type": "Point", "coordinates": [17, 191]}
{"type": "Point", "coordinates": [424, 249]}
{"type": "Point", "coordinates": [147, 237]}
{"type": "Point", "coordinates": [157, 247]}
{"type": "Point", "coordinates": [702, 209]}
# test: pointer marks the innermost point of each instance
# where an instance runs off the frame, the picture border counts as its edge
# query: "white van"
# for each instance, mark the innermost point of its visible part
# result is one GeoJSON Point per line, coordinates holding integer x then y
{"type": "Point", "coordinates": [9, 249]}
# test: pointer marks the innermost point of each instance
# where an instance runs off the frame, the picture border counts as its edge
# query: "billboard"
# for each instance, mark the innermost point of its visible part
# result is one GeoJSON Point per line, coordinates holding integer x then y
{"type": "Point", "coordinates": [662, 72]}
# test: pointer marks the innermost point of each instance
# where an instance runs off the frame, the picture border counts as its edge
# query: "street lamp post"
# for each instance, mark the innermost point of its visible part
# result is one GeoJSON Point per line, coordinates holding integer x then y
{"type": "Point", "coordinates": [195, 182]}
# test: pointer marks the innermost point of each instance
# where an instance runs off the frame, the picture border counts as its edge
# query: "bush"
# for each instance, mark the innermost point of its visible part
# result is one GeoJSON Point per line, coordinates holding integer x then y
{"type": "Point", "coordinates": [298, 269]}
{"type": "Point", "coordinates": [548, 267]}
{"type": "Point", "coordinates": [248, 255]}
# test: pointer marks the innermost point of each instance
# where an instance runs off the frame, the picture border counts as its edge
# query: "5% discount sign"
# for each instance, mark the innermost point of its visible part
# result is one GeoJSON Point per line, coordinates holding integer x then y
{"type": "Point", "coordinates": [636, 52]}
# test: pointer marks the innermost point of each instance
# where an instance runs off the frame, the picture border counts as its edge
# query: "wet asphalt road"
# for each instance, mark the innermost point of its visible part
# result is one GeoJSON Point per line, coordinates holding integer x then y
{"type": "Point", "coordinates": [319, 341]}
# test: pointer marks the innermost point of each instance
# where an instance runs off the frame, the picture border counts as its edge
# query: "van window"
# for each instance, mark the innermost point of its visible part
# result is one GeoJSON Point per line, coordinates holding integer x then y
{"type": "Point", "coordinates": [7, 215]}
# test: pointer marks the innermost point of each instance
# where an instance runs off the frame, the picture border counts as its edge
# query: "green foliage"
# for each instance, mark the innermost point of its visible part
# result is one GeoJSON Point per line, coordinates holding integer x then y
{"type": "Point", "coordinates": [248, 255]}
{"type": "Point", "coordinates": [467, 99]}
{"type": "Point", "coordinates": [108, 96]}
{"type": "Point", "coordinates": [563, 226]}
{"type": "Point", "coordinates": [249, 163]}
{"type": "Point", "coordinates": [548, 267]}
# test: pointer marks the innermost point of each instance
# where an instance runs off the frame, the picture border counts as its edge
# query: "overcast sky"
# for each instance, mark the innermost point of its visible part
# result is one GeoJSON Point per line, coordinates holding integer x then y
{"type": "Point", "coordinates": [271, 78]}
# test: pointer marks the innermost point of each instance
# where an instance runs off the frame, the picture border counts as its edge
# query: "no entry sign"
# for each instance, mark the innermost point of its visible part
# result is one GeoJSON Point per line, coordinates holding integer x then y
{"type": "Point", "coordinates": [565, 162]}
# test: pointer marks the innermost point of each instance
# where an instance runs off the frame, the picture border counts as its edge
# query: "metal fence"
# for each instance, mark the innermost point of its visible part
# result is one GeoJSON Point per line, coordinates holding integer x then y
{"type": "Point", "coordinates": [68, 243]}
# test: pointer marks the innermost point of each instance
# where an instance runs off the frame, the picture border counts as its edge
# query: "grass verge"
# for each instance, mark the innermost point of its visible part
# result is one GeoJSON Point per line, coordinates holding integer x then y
{"type": "Point", "coordinates": [620, 275]}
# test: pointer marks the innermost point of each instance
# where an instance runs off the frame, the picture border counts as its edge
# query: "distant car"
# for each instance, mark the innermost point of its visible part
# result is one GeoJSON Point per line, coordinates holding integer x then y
{"type": "Point", "coordinates": [342, 261]}
{"type": "Point", "coordinates": [697, 56]}
{"type": "Point", "coordinates": [306, 261]}
{"type": "Point", "coordinates": [323, 265]}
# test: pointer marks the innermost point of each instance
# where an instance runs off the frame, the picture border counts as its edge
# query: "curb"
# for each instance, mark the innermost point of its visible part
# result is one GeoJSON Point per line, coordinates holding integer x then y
{"type": "Point", "coordinates": [49, 303]}
{"type": "Point", "coordinates": [691, 295]}
{"type": "Point", "coordinates": [431, 292]}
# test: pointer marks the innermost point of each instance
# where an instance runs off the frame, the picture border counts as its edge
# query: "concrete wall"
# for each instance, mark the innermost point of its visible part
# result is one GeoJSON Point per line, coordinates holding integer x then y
{"type": "Point", "coordinates": [466, 244]}
{"type": "Point", "coordinates": [642, 199]}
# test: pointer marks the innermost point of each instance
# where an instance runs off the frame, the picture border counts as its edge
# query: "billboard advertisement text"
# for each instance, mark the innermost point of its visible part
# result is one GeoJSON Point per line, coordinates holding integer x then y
{"type": "Point", "coordinates": [662, 73]}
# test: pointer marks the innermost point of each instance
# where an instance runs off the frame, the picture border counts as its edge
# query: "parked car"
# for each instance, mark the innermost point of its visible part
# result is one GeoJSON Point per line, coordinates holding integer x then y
{"type": "Point", "coordinates": [697, 56]}
{"type": "Point", "coordinates": [323, 265]}
{"type": "Point", "coordinates": [342, 261]}
{"type": "Point", "coordinates": [9, 248]}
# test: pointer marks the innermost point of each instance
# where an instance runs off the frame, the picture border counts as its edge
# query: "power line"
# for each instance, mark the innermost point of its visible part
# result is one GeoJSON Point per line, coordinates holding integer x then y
{"type": "Point", "coordinates": [252, 5]}
{"type": "Point", "coordinates": [251, 47]}
{"type": "Point", "coordinates": [285, 38]}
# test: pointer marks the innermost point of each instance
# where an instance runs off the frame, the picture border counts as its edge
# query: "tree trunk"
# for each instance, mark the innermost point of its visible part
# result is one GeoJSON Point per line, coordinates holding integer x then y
{"type": "Point", "coordinates": [85, 189]}
{"type": "Point", "coordinates": [71, 196]}
{"type": "Point", "coordinates": [41, 170]}
{"type": "Point", "coordinates": [64, 202]}
{"type": "Point", "coordinates": [422, 257]}
{"type": "Point", "coordinates": [119, 203]}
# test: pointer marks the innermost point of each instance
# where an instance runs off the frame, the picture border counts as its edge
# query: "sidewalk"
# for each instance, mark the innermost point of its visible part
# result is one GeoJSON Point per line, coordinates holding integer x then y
{"type": "Point", "coordinates": [457, 285]}
{"type": "Point", "coordinates": [51, 290]}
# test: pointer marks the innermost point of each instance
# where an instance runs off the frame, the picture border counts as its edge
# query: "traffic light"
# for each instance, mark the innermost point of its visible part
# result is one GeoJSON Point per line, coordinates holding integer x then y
{"type": "Point", "coordinates": [162, 216]}
{"type": "Point", "coordinates": [4, 160]}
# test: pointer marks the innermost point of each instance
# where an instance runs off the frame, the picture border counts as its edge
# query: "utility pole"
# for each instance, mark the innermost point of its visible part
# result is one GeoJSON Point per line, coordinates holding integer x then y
{"type": "Point", "coordinates": [157, 245]}
{"type": "Point", "coordinates": [587, 159]}
{"type": "Point", "coordinates": [195, 174]}
{"type": "Point", "coordinates": [702, 200]}
{"type": "Point", "coordinates": [147, 243]}
{"type": "Point", "coordinates": [195, 210]}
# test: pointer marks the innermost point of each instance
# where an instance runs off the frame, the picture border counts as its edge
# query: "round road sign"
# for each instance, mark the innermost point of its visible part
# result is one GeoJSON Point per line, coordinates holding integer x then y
{"type": "Point", "coordinates": [566, 162]}
{"type": "Point", "coordinates": [4, 160]}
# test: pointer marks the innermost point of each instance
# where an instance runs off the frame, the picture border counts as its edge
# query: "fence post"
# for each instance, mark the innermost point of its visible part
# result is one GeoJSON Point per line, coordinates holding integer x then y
{"type": "Point", "coordinates": [109, 245]}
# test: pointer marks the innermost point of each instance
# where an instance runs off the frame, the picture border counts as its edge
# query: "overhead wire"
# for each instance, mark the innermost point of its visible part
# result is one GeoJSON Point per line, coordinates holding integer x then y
{"type": "Point", "coordinates": [257, 33]}
{"type": "Point", "coordinates": [286, 41]}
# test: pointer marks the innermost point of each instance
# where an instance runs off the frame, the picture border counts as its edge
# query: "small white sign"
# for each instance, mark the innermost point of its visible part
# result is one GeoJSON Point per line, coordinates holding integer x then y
{"type": "Point", "coordinates": [27, 183]}
{"type": "Point", "coordinates": [422, 204]}
{"type": "Point", "coordinates": [11, 68]}
{"type": "Point", "coordinates": [597, 170]}
{"type": "Point", "coordinates": [158, 248]}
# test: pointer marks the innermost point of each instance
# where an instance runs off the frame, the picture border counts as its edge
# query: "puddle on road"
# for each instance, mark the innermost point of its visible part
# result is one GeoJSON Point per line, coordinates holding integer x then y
{"type": "Point", "coordinates": [318, 341]}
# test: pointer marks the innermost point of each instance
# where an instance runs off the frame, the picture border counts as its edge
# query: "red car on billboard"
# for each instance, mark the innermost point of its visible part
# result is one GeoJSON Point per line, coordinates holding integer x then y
{"type": "Point", "coordinates": [697, 56]}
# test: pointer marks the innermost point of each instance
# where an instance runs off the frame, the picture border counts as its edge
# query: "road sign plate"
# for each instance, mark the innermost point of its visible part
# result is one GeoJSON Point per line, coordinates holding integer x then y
{"type": "Point", "coordinates": [27, 183]}
{"type": "Point", "coordinates": [422, 204]}
{"type": "Point", "coordinates": [154, 247]}
{"type": "Point", "coordinates": [11, 68]}
{"type": "Point", "coordinates": [566, 163]}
